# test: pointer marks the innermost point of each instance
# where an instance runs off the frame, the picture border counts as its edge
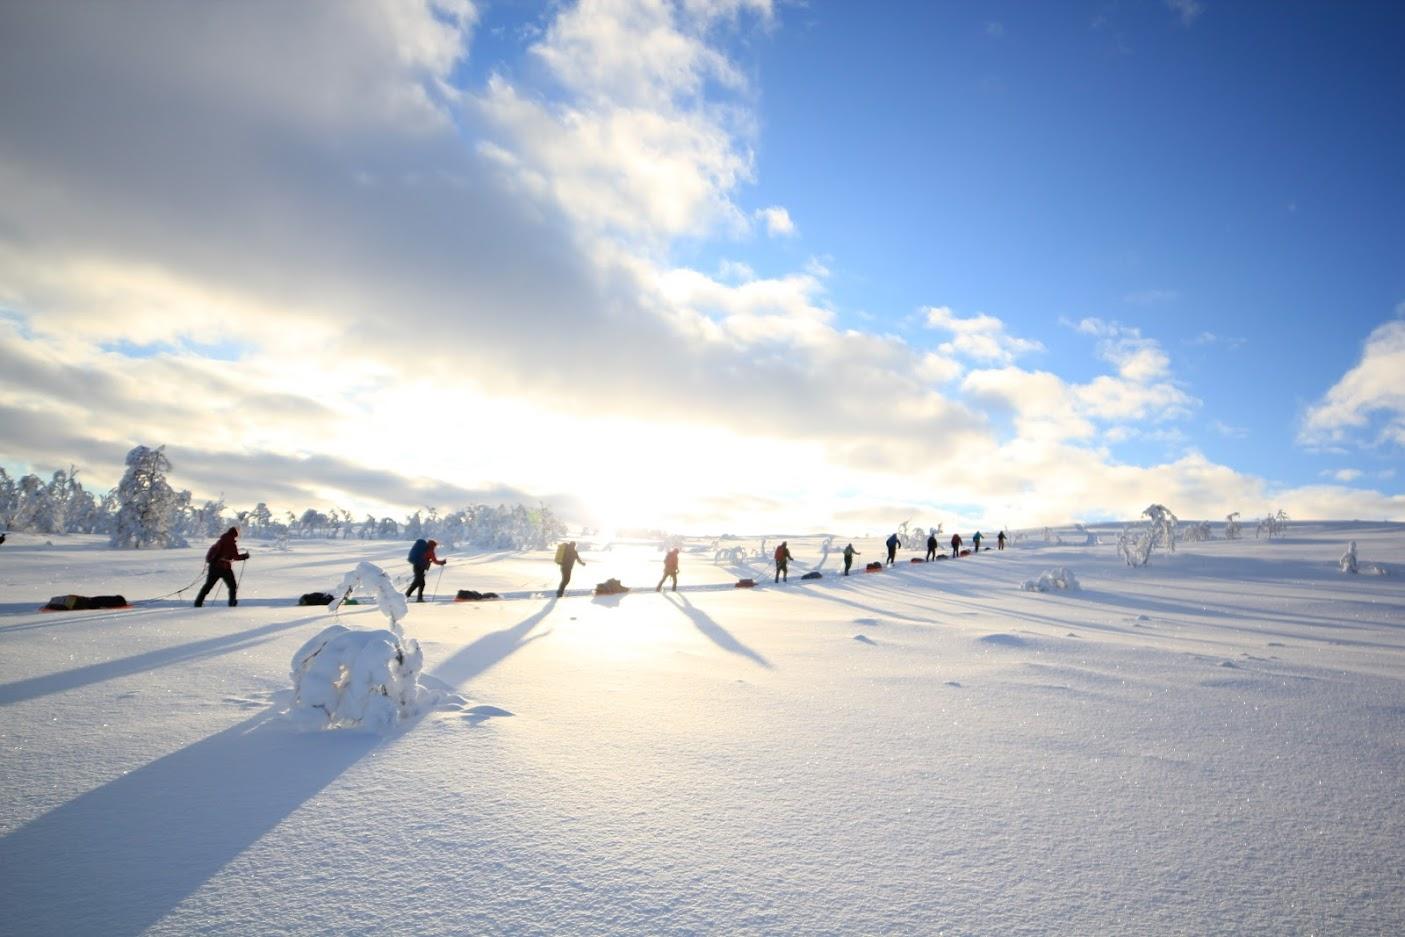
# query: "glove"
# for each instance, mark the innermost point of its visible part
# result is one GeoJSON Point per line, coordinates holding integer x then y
{"type": "Point", "coordinates": [243, 556]}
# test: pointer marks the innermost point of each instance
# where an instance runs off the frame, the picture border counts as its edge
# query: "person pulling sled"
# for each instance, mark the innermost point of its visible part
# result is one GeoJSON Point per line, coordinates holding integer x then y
{"type": "Point", "coordinates": [892, 544]}
{"type": "Point", "coordinates": [670, 570]}
{"type": "Point", "coordinates": [421, 558]}
{"type": "Point", "coordinates": [567, 558]}
{"type": "Point", "coordinates": [849, 554]}
{"type": "Point", "coordinates": [783, 559]}
{"type": "Point", "coordinates": [220, 560]}
{"type": "Point", "coordinates": [955, 545]}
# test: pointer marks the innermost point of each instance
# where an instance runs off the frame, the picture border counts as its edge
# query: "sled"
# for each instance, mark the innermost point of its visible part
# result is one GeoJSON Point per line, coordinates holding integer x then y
{"type": "Point", "coordinates": [746, 583]}
{"type": "Point", "coordinates": [471, 595]}
{"type": "Point", "coordinates": [315, 598]}
{"type": "Point", "coordinates": [813, 574]}
{"type": "Point", "coordinates": [610, 587]}
{"type": "Point", "coordinates": [917, 559]}
{"type": "Point", "coordinates": [873, 568]}
{"type": "Point", "coordinates": [84, 603]}
{"type": "Point", "coordinates": [965, 553]}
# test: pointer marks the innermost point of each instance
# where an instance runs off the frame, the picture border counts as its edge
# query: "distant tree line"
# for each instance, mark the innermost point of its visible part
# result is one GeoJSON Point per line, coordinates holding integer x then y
{"type": "Point", "coordinates": [144, 511]}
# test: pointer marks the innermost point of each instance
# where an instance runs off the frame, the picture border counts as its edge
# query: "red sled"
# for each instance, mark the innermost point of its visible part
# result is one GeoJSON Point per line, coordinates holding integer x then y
{"type": "Point", "coordinates": [746, 583]}
{"type": "Point", "coordinates": [873, 568]}
{"type": "Point", "coordinates": [965, 552]}
{"type": "Point", "coordinates": [917, 559]}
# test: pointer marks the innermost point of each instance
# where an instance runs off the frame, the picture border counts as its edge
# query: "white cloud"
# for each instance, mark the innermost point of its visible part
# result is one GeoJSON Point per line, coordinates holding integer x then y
{"type": "Point", "coordinates": [1228, 431]}
{"type": "Point", "coordinates": [777, 221]}
{"type": "Point", "coordinates": [980, 337]}
{"type": "Point", "coordinates": [1188, 10]}
{"type": "Point", "coordinates": [1370, 390]}
{"type": "Point", "coordinates": [1342, 475]}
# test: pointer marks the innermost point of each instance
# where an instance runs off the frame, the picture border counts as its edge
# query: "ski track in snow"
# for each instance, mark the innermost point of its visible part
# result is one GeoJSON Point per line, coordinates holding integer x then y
{"type": "Point", "coordinates": [1213, 743]}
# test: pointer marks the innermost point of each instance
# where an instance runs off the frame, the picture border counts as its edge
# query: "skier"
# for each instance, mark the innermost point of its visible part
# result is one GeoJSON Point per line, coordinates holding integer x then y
{"type": "Point", "coordinates": [670, 570]}
{"type": "Point", "coordinates": [220, 559]}
{"type": "Point", "coordinates": [1000, 540]}
{"type": "Point", "coordinates": [955, 545]}
{"type": "Point", "coordinates": [782, 558]}
{"type": "Point", "coordinates": [849, 554]}
{"type": "Point", "coordinates": [892, 544]}
{"type": "Point", "coordinates": [421, 556]}
{"type": "Point", "coordinates": [931, 547]}
{"type": "Point", "coordinates": [976, 543]}
{"type": "Point", "coordinates": [568, 558]}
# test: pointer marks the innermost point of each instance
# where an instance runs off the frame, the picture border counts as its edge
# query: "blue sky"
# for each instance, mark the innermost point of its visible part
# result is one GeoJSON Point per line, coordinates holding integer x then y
{"type": "Point", "coordinates": [1109, 253]}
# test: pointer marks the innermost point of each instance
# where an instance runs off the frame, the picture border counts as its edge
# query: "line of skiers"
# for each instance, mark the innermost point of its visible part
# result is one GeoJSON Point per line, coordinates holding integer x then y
{"type": "Point", "coordinates": [219, 560]}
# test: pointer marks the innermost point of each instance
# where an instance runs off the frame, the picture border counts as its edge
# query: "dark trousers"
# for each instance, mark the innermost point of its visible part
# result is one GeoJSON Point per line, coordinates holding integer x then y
{"type": "Point", "coordinates": [217, 573]}
{"type": "Point", "coordinates": [955, 549]}
{"type": "Point", "coordinates": [668, 575]}
{"type": "Point", "coordinates": [781, 572]}
{"type": "Point", "coordinates": [892, 554]}
{"type": "Point", "coordinates": [848, 561]}
{"type": "Point", "coordinates": [418, 582]}
{"type": "Point", "coordinates": [931, 552]}
{"type": "Point", "coordinates": [565, 580]}
{"type": "Point", "coordinates": [1000, 544]}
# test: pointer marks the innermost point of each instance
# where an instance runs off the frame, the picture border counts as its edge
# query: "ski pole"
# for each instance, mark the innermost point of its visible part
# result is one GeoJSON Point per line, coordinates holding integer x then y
{"type": "Point", "coordinates": [435, 594]}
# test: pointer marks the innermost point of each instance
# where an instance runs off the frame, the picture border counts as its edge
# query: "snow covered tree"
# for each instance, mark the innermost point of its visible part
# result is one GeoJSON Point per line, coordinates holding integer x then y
{"type": "Point", "coordinates": [148, 505]}
{"type": "Point", "coordinates": [1272, 525]}
{"type": "Point", "coordinates": [1231, 526]}
{"type": "Point", "coordinates": [1163, 526]}
{"type": "Point", "coordinates": [1197, 533]}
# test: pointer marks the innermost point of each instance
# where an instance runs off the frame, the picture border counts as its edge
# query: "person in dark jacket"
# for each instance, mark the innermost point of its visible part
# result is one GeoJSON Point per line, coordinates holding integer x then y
{"type": "Point", "coordinates": [849, 554]}
{"type": "Point", "coordinates": [569, 558]}
{"type": "Point", "coordinates": [892, 544]}
{"type": "Point", "coordinates": [220, 560]}
{"type": "Point", "coordinates": [931, 547]}
{"type": "Point", "coordinates": [955, 545]}
{"type": "Point", "coordinates": [1000, 540]}
{"type": "Point", "coordinates": [670, 570]}
{"type": "Point", "coordinates": [783, 558]}
{"type": "Point", "coordinates": [421, 565]}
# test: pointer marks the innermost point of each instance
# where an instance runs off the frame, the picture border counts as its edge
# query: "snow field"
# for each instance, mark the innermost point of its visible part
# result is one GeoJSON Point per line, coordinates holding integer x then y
{"type": "Point", "coordinates": [1212, 743]}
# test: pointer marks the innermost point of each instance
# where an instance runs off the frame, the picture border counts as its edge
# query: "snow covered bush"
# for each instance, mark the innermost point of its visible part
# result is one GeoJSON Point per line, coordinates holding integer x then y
{"type": "Point", "coordinates": [1163, 526]}
{"type": "Point", "coordinates": [1348, 561]}
{"type": "Point", "coordinates": [1197, 533]}
{"type": "Point", "coordinates": [358, 679]}
{"type": "Point", "coordinates": [361, 679]}
{"type": "Point", "coordinates": [1134, 545]}
{"type": "Point", "coordinates": [1052, 580]}
{"type": "Point", "coordinates": [1231, 526]}
{"type": "Point", "coordinates": [1272, 525]}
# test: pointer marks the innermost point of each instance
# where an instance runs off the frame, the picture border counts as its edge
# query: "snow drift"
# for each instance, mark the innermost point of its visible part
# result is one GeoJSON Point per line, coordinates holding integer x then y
{"type": "Point", "coordinates": [1051, 580]}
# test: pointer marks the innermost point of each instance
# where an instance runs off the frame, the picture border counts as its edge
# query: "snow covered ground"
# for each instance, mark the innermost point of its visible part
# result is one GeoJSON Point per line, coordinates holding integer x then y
{"type": "Point", "coordinates": [1214, 743]}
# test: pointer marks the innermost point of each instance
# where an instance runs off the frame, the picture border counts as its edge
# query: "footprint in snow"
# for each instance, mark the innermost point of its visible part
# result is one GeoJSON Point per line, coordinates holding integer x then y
{"type": "Point", "coordinates": [864, 639]}
{"type": "Point", "coordinates": [1230, 664]}
{"type": "Point", "coordinates": [953, 683]}
{"type": "Point", "coordinates": [1003, 640]}
{"type": "Point", "coordinates": [867, 621]}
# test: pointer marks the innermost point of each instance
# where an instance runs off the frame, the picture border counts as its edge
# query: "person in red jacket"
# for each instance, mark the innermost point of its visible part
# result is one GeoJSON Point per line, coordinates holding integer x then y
{"type": "Point", "coordinates": [955, 545]}
{"type": "Point", "coordinates": [783, 559]}
{"type": "Point", "coordinates": [220, 559]}
{"type": "Point", "coordinates": [422, 567]}
{"type": "Point", "coordinates": [670, 570]}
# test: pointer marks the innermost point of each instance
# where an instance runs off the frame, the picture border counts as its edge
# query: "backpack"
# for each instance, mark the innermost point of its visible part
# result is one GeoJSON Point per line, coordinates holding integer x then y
{"type": "Point", "coordinates": [210, 553]}
{"type": "Point", "coordinates": [418, 551]}
{"type": "Point", "coordinates": [560, 553]}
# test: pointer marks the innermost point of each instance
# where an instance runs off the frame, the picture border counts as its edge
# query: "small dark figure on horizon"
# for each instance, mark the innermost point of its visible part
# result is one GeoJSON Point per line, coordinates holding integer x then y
{"type": "Point", "coordinates": [420, 560]}
{"type": "Point", "coordinates": [1000, 540]}
{"type": "Point", "coordinates": [783, 557]}
{"type": "Point", "coordinates": [569, 558]}
{"type": "Point", "coordinates": [976, 543]}
{"type": "Point", "coordinates": [931, 547]}
{"type": "Point", "coordinates": [670, 570]}
{"type": "Point", "coordinates": [220, 559]}
{"type": "Point", "coordinates": [955, 545]}
{"type": "Point", "coordinates": [849, 554]}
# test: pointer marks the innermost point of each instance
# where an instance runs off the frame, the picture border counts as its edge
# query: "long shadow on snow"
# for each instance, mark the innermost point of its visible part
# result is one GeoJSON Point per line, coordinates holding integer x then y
{"type": "Point", "coordinates": [716, 633]}
{"type": "Point", "coordinates": [471, 660]}
{"type": "Point", "coordinates": [117, 859]}
{"type": "Point", "coordinates": [35, 687]}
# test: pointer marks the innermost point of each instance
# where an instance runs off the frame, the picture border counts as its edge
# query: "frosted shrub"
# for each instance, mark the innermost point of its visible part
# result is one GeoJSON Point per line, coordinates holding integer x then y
{"type": "Point", "coordinates": [1163, 526]}
{"type": "Point", "coordinates": [358, 679]}
{"type": "Point", "coordinates": [1348, 561]}
{"type": "Point", "coordinates": [1231, 526]}
{"type": "Point", "coordinates": [1272, 525]}
{"type": "Point", "coordinates": [1052, 580]}
{"type": "Point", "coordinates": [149, 505]}
{"type": "Point", "coordinates": [1197, 533]}
{"type": "Point", "coordinates": [1134, 545]}
{"type": "Point", "coordinates": [367, 679]}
